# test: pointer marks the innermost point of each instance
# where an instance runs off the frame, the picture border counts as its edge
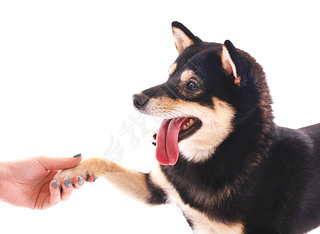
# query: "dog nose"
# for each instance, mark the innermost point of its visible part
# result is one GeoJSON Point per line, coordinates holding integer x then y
{"type": "Point", "coordinates": [140, 100]}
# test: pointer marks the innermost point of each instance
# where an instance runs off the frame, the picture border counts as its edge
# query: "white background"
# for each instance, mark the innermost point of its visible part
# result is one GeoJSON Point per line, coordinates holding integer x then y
{"type": "Point", "coordinates": [68, 70]}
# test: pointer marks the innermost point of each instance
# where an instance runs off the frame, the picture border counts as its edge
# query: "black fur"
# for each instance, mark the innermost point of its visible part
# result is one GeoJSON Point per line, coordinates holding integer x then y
{"type": "Point", "coordinates": [262, 175]}
{"type": "Point", "coordinates": [157, 195]}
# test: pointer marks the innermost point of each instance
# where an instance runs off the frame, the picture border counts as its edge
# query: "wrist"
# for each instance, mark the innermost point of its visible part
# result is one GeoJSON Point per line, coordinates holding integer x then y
{"type": "Point", "coordinates": [3, 178]}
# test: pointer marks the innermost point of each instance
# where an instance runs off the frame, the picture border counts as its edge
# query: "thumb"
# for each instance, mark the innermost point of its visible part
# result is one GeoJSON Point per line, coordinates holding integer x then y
{"type": "Point", "coordinates": [59, 163]}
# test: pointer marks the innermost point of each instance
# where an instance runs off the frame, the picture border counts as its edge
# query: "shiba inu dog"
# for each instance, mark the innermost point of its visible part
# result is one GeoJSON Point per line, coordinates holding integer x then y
{"type": "Point", "coordinates": [222, 159]}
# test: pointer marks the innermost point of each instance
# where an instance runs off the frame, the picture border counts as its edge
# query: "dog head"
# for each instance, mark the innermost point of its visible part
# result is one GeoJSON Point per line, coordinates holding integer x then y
{"type": "Point", "coordinates": [211, 88]}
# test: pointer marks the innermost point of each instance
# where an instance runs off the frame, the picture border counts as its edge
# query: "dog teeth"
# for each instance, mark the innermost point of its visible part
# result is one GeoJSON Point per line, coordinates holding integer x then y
{"type": "Point", "coordinates": [188, 124]}
{"type": "Point", "coordinates": [154, 138]}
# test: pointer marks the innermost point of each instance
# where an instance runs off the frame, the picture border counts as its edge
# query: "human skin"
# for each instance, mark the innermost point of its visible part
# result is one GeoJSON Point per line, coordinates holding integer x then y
{"type": "Point", "coordinates": [29, 182]}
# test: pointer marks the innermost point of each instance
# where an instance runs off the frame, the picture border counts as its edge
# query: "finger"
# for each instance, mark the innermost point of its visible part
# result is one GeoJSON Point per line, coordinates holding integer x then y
{"type": "Point", "coordinates": [78, 182]}
{"type": "Point", "coordinates": [54, 193]}
{"type": "Point", "coordinates": [59, 163]}
{"type": "Point", "coordinates": [66, 189]}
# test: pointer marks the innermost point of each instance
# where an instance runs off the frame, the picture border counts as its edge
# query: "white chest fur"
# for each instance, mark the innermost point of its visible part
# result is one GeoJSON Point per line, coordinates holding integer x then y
{"type": "Point", "coordinates": [201, 223]}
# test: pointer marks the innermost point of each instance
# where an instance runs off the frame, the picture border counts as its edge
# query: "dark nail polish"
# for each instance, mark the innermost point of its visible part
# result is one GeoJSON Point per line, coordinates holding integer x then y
{"type": "Point", "coordinates": [67, 183]}
{"type": "Point", "coordinates": [77, 155]}
{"type": "Point", "coordinates": [88, 176]}
{"type": "Point", "coordinates": [54, 184]}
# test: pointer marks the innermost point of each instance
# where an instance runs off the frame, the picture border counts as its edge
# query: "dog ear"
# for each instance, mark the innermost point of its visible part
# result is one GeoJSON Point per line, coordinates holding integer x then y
{"type": "Point", "coordinates": [183, 38]}
{"type": "Point", "coordinates": [229, 55]}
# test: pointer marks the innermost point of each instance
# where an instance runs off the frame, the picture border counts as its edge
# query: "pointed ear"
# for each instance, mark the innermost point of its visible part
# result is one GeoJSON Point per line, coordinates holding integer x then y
{"type": "Point", "coordinates": [183, 38]}
{"type": "Point", "coordinates": [227, 61]}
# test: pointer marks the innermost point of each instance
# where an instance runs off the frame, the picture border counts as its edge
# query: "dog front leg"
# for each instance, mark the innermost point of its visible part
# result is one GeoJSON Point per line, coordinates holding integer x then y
{"type": "Point", "coordinates": [131, 182]}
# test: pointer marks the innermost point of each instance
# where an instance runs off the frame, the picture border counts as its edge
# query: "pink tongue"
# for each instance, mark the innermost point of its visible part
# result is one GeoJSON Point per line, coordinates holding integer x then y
{"type": "Point", "coordinates": [167, 151]}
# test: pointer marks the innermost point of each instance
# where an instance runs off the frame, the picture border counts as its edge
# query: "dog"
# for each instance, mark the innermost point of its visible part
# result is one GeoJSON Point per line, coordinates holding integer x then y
{"type": "Point", "coordinates": [222, 159]}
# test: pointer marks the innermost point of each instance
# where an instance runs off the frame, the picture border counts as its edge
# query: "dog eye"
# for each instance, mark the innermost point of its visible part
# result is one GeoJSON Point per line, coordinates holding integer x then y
{"type": "Point", "coordinates": [192, 86]}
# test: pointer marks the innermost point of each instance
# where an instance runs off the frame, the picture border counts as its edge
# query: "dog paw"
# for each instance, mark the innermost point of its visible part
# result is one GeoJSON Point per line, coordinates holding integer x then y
{"type": "Point", "coordinates": [85, 170]}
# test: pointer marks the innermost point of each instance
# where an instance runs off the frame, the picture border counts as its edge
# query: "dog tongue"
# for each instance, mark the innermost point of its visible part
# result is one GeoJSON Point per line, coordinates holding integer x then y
{"type": "Point", "coordinates": [167, 150]}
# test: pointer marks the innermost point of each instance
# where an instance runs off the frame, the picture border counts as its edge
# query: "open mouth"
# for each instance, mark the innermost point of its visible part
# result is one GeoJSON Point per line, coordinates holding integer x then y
{"type": "Point", "coordinates": [189, 127]}
{"type": "Point", "coordinates": [172, 131]}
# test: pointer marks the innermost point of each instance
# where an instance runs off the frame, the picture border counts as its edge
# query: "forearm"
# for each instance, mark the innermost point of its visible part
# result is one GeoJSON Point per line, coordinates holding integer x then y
{"type": "Point", "coordinates": [130, 182]}
{"type": "Point", "coordinates": [4, 174]}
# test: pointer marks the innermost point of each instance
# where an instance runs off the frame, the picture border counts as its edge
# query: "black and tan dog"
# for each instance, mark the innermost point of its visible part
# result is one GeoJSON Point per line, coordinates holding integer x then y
{"type": "Point", "coordinates": [222, 159]}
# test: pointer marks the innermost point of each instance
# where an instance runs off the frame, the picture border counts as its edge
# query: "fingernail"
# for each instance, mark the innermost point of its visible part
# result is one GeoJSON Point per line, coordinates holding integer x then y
{"type": "Point", "coordinates": [88, 176]}
{"type": "Point", "coordinates": [67, 183]}
{"type": "Point", "coordinates": [80, 180]}
{"type": "Point", "coordinates": [54, 184]}
{"type": "Point", "coordinates": [77, 155]}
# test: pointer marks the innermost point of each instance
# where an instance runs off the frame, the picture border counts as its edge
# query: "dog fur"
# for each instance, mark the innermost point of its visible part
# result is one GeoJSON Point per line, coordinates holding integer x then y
{"type": "Point", "coordinates": [236, 170]}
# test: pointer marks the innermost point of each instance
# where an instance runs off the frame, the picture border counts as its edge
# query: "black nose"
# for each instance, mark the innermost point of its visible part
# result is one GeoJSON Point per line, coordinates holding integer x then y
{"type": "Point", "coordinates": [140, 100]}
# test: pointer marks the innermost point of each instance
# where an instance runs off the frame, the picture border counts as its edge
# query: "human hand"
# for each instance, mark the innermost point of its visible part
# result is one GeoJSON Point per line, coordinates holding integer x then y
{"type": "Point", "coordinates": [29, 183]}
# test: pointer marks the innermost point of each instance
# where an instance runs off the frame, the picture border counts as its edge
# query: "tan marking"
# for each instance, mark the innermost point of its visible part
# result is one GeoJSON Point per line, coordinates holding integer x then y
{"type": "Point", "coordinates": [237, 81]}
{"type": "Point", "coordinates": [201, 223]}
{"type": "Point", "coordinates": [181, 40]}
{"type": "Point", "coordinates": [173, 68]}
{"type": "Point", "coordinates": [187, 75]}
{"type": "Point", "coordinates": [216, 124]}
{"type": "Point", "coordinates": [129, 181]}
{"type": "Point", "coordinates": [228, 65]}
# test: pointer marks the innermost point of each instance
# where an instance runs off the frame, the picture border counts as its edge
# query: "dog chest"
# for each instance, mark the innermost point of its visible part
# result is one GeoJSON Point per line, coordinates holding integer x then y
{"type": "Point", "coordinates": [199, 222]}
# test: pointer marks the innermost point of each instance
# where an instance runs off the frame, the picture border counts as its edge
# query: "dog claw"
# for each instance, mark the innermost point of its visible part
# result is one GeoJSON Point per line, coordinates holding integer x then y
{"type": "Point", "coordinates": [90, 176]}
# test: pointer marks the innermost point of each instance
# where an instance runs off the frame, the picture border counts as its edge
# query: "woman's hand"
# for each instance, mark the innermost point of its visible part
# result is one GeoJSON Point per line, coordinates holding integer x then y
{"type": "Point", "coordinates": [29, 183]}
